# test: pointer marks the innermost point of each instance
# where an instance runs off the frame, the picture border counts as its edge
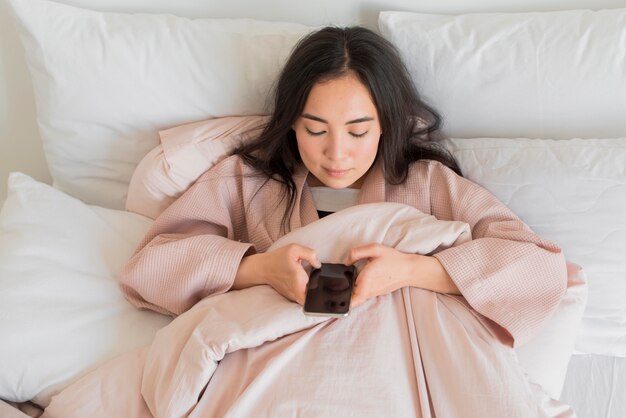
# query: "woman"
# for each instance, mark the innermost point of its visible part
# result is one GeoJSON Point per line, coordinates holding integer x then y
{"type": "Point", "coordinates": [349, 124]}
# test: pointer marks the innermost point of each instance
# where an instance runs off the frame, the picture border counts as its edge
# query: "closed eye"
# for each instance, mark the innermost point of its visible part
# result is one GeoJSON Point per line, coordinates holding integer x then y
{"type": "Point", "coordinates": [310, 132]}
{"type": "Point", "coordinates": [358, 135]}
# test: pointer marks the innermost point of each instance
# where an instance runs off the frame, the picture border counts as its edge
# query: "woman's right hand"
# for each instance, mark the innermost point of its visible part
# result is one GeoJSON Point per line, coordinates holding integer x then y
{"type": "Point", "coordinates": [281, 268]}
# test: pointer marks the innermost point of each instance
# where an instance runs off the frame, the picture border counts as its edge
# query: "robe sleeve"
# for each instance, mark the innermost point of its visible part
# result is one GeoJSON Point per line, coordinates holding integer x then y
{"type": "Point", "coordinates": [190, 250]}
{"type": "Point", "coordinates": [507, 273]}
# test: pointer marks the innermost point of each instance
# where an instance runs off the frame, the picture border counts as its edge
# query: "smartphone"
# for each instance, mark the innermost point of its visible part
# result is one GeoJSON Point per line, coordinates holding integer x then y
{"type": "Point", "coordinates": [329, 290]}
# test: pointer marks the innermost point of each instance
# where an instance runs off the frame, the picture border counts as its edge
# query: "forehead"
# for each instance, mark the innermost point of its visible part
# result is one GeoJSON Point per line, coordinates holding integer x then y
{"type": "Point", "coordinates": [345, 95]}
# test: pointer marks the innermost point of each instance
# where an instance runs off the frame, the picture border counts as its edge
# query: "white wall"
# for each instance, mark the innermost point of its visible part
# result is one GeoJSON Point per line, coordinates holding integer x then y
{"type": "Point", "coordinates": [20, 147]}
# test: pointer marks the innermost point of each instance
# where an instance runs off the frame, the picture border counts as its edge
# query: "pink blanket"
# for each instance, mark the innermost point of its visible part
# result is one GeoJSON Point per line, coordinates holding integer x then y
{"type": "Point", "coordinates": [253, 353]}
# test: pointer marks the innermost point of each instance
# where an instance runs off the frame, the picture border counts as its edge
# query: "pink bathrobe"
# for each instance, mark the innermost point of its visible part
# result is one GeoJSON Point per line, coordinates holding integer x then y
{"type": "Point", "coordinates": [458, 361]}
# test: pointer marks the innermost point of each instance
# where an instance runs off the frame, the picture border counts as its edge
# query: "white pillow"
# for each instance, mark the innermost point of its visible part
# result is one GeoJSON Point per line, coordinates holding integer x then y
{"type": "Point", "coordinates": [106, 83]}
{"type": "Point", "coordinates": [61, 308]}
{"type": "Point", "coordinates": [572, 192]}
{"type": "Point", "coordinates": [553, 75]}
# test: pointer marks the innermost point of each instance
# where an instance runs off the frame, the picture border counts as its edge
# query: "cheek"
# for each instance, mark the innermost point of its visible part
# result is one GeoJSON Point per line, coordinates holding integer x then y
{"type": "Point", "coordinates": [306, 148]}
{"type": "Point", "coordinates": [370, 149]}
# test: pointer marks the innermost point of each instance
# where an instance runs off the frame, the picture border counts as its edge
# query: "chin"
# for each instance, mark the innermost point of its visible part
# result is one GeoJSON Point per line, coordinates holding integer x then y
{"type": "Point", "coordinates": [334, 182]}
{"type": "Point", "coordinates": [339, 184]}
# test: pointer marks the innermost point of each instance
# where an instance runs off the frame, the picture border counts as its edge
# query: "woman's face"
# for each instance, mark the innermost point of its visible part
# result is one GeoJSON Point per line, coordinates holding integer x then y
{"type": "Point", "coordinates": [338, 133]}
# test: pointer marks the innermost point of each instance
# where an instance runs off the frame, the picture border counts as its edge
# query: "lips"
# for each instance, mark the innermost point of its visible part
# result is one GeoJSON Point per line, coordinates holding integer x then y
{"type": "Point", "coordinates": [336, 172]}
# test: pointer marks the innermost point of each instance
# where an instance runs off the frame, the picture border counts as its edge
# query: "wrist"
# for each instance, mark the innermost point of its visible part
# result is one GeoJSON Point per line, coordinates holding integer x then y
{"type": "Point", "coordinates": [416, 272]}
{"type": "Point", "coordinates": [428, 273]}
{"type": "Point", "coordinates": [249, 272]}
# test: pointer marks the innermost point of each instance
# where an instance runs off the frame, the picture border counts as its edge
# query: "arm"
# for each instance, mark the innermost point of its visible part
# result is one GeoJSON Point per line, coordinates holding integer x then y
{"type": "Point", "coordinates": [190, 251]}
{"type": "Point", "coordinates": [507, 272]}
{"type": "Point", "coordinates": [195, 249]}
{"type": "Point", "coordinates": [432, 275]}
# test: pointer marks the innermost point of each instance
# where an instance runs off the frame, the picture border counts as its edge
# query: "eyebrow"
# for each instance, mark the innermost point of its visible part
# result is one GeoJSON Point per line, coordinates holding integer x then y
{"type": "Point", "coordinates": [318, 119]}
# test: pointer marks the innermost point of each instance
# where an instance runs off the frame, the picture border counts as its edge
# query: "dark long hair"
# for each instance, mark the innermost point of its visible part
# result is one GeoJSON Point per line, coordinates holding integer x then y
{"type": "Point", "coordinates": [410, 128]}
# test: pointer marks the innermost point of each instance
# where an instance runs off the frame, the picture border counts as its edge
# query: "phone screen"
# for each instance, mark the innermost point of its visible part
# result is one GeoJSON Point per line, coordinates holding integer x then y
{"type": "Point", "coordinates": [329, 290]}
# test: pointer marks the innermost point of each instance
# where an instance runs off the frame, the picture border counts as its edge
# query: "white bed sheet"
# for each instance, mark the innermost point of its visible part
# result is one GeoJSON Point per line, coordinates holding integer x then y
{"type": "Point", "coordinates": [596, 386]}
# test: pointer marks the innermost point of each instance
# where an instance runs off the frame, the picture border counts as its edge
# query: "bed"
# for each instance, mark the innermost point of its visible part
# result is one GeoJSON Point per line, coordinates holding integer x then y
{"type": "Point", "coordinates": [108, 116]}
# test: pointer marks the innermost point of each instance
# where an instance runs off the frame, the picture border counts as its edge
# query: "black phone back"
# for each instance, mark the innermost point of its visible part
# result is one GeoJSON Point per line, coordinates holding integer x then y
{"type": "Point", "coordinates": [329, 290]}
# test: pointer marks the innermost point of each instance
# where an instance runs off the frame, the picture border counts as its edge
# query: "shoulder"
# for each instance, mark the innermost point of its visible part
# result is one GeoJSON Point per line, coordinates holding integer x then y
{"type": "Point", "coordinates": [429, 169]}
{"type": "Point", "coordinates": [230, 168]}
{"type": "Point", "coordinates": [226, 183]}
{"type": "Point", "coordinates": [440, 177]}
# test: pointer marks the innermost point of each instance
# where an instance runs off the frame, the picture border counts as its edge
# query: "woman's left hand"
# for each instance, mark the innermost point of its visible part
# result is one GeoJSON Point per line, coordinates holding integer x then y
{"type": "Point", "coordinates": [388, 269]}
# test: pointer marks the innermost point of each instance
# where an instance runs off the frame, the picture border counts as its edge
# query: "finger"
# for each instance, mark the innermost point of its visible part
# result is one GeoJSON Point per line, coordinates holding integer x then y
{"type": "Point", "coordinates": [307, 254]}
{"type": "Point", "coordinates": [299, 287]}
{"type": "Point", "coordinates": [357, 299]}
{"type": "Point", "coordinates": [357, 295]}
{"type": "Point", "coordinates": [363, 252]}
{"type": "Point", "coordinates": [299, 297]}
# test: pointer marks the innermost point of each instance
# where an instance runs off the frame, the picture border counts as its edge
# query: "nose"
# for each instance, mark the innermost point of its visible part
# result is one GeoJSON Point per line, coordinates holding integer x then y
{"type": "Point", "coordinates": [335, 146]}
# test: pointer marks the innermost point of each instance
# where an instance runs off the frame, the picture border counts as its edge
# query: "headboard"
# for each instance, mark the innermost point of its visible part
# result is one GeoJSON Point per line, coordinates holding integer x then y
{"type": "Point", "coordinates": [20, 145]}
